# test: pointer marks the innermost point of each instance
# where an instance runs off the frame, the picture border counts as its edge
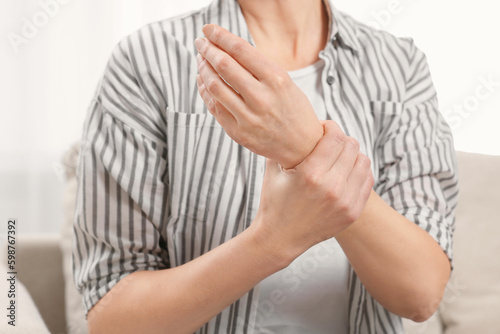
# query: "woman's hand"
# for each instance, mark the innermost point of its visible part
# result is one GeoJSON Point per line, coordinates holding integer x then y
{"type": "Point", "coordinates": [317, 199]}
{"type": "Point", "coordinates": [254, 99]}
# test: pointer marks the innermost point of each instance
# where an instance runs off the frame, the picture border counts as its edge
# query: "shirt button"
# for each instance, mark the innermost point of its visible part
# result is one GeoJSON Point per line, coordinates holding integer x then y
{"type": "Point", "coordinates": [330, 80]}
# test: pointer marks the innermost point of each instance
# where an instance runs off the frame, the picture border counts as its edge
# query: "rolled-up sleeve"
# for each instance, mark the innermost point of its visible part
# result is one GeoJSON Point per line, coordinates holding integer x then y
{"type": "Point", "coordinates": [417, 166]}
{"type": "Point", "coordinates": [122, 200]}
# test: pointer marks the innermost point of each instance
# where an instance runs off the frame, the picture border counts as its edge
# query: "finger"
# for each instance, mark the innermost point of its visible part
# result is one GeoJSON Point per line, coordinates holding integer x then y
{"type": "Point", "coordinates": [218, 89]}
{"type": "Point", "coordinates": [328, 149]}
{"type": "Point", "coordinates": [359, 173]}
{"type": "Point", "coordinates": [345, 162]}
{"type": "Point", "coordinates": [364, 193]}
{"type": "Point", "coordinates": [221, 114]}
{"type": "Point", "coordinates": [242, 51]}
{"type": "Point", "coordinates": [233, 73]}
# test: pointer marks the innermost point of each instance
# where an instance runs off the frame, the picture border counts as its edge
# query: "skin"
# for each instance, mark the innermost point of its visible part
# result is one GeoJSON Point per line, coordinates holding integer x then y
{"type": "Point", "coordinates": [326, 180]}
{"type": "Point", "coordinates": [401, 266]}
{"type": "Point", "coordinates": [283, 34]}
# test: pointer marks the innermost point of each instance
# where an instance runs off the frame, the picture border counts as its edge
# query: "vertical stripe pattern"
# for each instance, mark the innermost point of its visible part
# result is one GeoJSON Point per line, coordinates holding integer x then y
{"type": "Point", "coordinates": [160, 183]}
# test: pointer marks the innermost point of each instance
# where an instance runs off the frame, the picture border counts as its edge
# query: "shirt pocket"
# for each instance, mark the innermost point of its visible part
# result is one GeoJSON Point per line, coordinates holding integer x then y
{"type": "Point", "coordinates": [198, 119]}
{"type": "Point", "coordinates": [386, 116]}
{"type": "Point", "coordinates": [200, 157]}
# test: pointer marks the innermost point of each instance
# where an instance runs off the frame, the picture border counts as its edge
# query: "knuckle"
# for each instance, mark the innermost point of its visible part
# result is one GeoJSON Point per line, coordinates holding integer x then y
{"type": "Point", "coordinates": [339, 137]}
{"type": "Point", "coordinates": [202, 66]}
{"type": "Point", "coordinates": [205, 95]}
{"type": "Point", "coordinates": [364, 162]}
{"type": "Point", "coordinates": [213, 86]}
{"type": "Point", "coordinates": [280, 79]}
{"type": "Point", "coordinates": [332, 195]}
{"type": "Point", "coordinates": [344, 206]}
{"type": "Point", "coordinates": [334, 191]}
{"type": "Point", "coordinates": [218, 106]}
{"type": "Point", "coordinates": [347, 210]}
{"type": "Point", "coordinates": [336, 138]}
{"type": "Point", "coordinates": [334, 128]}
{"type": "Point", "coordinates": [351, 147]}
{"type": "Point", "coordinates": [312, 178]}
{"type": "Point", "coordinates": [211, 107]}
{"type": "Point", "coordinates": [352, 143]}
{"type": "Point", "coordinates": [237, 48]}
{"type": "Point", "coordinates": [221, 64]}
{"type": "Point", "coordinates": [352, 215]}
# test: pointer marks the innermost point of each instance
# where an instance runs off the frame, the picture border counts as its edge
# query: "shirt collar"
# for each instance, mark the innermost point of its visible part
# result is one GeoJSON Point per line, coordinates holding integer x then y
{"type": "Point", "coordinates": [342, 32]}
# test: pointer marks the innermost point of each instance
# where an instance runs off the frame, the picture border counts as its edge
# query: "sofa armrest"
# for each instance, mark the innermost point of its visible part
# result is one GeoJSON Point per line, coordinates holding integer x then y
{"type": "Point", "coordinates": [39, 268]}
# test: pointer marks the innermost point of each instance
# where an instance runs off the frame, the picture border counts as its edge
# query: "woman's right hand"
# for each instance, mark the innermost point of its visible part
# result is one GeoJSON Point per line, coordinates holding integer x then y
{"type": "Point", "coordinates": [254, 99]}
{"type": "Point", "coordinates": [312, 202]}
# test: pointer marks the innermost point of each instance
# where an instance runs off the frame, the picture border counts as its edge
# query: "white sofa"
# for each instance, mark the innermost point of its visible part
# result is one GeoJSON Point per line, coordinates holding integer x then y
{"type": "Point", "coordinates": [470, 305]}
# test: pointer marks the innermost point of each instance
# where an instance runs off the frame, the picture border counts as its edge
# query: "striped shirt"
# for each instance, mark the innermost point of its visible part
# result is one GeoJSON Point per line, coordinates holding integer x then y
{"type": "Point", "coordinates": [160, 183]}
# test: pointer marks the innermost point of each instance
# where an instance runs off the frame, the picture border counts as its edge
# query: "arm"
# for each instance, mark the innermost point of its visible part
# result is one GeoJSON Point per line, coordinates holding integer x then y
{"type": "Point", "coordinates": [121, 266]}
{"type": "Point", "coordinates": [400, 264]}
{"type": "Point", "coordinates": [411, 238]}
{"type": "Point", "coordinates": [182, 299]}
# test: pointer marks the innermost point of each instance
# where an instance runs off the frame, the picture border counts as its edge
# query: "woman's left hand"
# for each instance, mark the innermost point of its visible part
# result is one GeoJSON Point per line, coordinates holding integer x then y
{"type": "Point", "coordinates": [254, 99]}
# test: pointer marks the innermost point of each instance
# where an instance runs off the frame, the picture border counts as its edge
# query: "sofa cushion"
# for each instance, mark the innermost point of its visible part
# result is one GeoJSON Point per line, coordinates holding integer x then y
{"type": "Point", "coordinates": [472, 300]}
{"type": "Point", "coordinates": [471, 303]}
{"type": "Point", "coordinates": [40, 270]}
{"type": "Point", "coordinates": [28, 319]}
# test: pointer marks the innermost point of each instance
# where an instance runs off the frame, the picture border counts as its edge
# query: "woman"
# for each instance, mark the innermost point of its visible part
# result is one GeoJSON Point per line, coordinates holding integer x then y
{"type": "Point", "coordinates": [178, 227]}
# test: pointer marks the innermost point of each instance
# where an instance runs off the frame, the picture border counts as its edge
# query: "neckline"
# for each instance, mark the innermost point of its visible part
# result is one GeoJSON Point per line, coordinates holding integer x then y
{"type": "Point", "coordinates": [305, 71]}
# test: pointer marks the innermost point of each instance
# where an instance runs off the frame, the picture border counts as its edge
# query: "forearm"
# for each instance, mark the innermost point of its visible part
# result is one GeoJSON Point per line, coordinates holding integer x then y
{"type": "Point", "coordinates": [400, 264]}
{"type": "Point", "coordinates": [182, 299]}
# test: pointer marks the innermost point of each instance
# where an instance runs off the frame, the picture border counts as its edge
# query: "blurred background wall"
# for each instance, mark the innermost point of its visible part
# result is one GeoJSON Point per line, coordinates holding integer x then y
{"type": "Point", "coordinates": [50, 70]}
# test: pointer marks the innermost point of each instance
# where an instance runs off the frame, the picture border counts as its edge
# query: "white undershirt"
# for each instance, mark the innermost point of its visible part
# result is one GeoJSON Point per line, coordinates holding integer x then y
{"type": "Point", "coordinates": [310, 295]}
{"type": "Point", "coordinates": [310, 82]}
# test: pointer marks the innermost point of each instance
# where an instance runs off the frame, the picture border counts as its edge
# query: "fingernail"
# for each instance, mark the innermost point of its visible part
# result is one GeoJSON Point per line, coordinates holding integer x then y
{"type": "Point", "coordinates": [208, 29]}
{"type": "Point", "coordinates": [199, 42]}
{"type": "Point", "coordinates": [199, 58]}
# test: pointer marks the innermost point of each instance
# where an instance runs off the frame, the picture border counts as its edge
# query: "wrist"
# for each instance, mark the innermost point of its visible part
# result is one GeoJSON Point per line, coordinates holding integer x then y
{"type": "Point", "coordinates": [272, 244]}
{"type": "Point", "coordinates": [304, 147]}
{"type": "Point", "coordinates": [360, 224]}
